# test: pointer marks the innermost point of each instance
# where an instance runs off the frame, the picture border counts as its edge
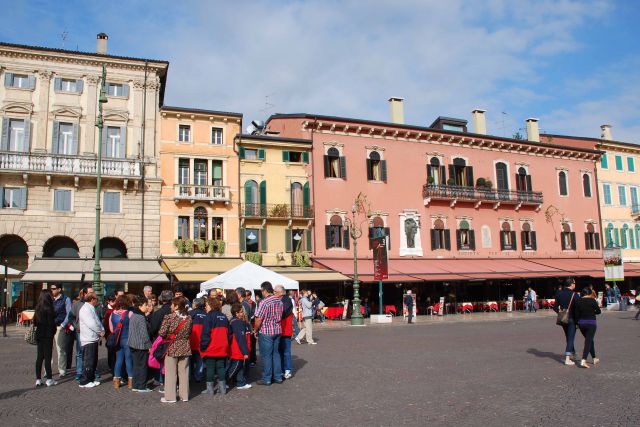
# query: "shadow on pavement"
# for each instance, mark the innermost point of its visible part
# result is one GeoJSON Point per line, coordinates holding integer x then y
{"type": "Point", "coordinates": [549, 355]}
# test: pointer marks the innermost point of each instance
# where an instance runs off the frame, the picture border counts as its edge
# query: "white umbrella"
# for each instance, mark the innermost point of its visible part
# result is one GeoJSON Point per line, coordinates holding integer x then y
{"type": "Point", "coordinates": [10, 271]}
{"type": "Point", "coordinates": [249, 276]}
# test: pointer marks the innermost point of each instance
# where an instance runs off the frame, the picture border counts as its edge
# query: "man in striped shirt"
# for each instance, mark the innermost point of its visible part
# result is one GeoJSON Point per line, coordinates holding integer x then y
{"type": "Point", "coordinates": [268, 328]}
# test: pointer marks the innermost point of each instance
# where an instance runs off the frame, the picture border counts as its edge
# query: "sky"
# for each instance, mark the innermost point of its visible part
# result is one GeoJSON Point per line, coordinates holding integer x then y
{"type": "Point", "coordinates": [574, 65]}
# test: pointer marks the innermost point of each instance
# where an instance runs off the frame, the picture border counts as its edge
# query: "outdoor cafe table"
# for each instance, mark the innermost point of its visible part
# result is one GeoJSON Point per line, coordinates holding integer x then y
{"type": "Point", "coordinates": [26, 316]}
{"type": "Point", "coordinates": [390, 309]}
{"type": "Point", "coordinates": [335, 312]}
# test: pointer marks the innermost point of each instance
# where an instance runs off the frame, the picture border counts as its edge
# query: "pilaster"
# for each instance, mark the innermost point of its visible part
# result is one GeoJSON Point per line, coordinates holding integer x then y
{"type": "Point", "coordinates": [89, 146]}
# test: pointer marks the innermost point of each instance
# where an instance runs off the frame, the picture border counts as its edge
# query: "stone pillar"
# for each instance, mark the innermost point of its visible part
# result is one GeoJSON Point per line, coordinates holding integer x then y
{"type": "Point", "coordinates": [91, 131]}
{"type": "Point", "coordinates": [40, 136]}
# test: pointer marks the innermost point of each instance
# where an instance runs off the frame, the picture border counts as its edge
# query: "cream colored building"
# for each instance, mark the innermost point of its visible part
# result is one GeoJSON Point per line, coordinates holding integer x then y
{"type": "Point", "coordinates": [48, 160]}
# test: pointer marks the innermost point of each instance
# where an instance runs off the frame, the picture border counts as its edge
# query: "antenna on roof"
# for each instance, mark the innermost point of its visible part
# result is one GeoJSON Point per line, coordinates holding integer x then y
{"type": "Point", "coordinates": [267, 105]}
{"type": "Point", "coordinates": [503, 126]}
{"type": "Point", "coordinates": [64, 36]}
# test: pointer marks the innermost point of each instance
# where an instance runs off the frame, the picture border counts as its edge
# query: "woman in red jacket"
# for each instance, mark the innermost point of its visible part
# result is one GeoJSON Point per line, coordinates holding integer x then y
{"type": "Point", "coordinates": [214, 346]}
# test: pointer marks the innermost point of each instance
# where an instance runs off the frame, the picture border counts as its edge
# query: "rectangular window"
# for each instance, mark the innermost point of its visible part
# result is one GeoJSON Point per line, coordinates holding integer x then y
{"type": "Point", "coordinates": [568, 240]}
{"type": "Point", "coordinates": [604, 163]}
{"type": "Point", "coordinates": [252, 236]}
{"type": "Point", "coordinates": [113, 147]}
{"type": "Point", "coordinates": [619, 166]}
{"type": "Point", "coordinates": [592, 241]}
{"type": "Point", "coordinates": [634, 196]}
{"type": "Point", "coordinates": [454, 128]}
{"type": "Point", "coordinates": [65, 139]}
{"type": "Point", "coordinates": [216, 136]}
{"type": "Point", "coordinates": [111, 203]}
{"type": "Point", "coordinates": [183, 171]}
{"type": "Point", "coordinates": [184, 133]}
{"type": "Point", "coordinates": [62, 200]}
{"type": "Point", "coordinates": [292, 156]}
{"type": "Point", "coordinates": [14, 197]}
{"type": "Point", "coordinates": [115, 89]}
{"type": "Point", "coordinates": [606, 190]}
{"type": "Point", "coordinates": [251, 154]}
{"type": "Point", "coordinates": [17, 135]}
{"type": "Point", "coordinates": [506, 240]}
{"type": "Point", "coordinates": [20, 81]}
{"type": "Point", "coordinates": [183, 227]}
{"type": "Point", "coordinates": [631, 164]}
{"type": "Point", "coordinates": [622, 195]}
{"type": "Point", "coordinates": [200, 176]}
{"type": "Point", "coordinates": [68, 85]}
{"type": "Point", "coordinates": [217, 228]}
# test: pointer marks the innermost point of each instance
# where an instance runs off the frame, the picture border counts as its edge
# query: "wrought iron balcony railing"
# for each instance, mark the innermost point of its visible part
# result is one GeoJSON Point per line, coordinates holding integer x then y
{"type": "Point", "coordinates": [283, 210]}
{"type": "Point", "coordinates": [67, 165]}
{"type": "Point", "coordinates": [209, 193]}
{"type": "Point", "coordinates": [457, 193]}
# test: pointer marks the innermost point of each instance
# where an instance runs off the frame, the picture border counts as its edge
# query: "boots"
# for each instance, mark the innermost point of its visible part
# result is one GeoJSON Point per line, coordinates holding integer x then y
{"type": "Point", "coordinates": [222, 388]}
{"type": "Point", "coordinates": [209, 389]}
{"type": "Point", "coordinates": [568, 361]}
{"type": "Point", "coordinates": [130, 383]}
{"type": "Point", "coordinates": [116, 383]}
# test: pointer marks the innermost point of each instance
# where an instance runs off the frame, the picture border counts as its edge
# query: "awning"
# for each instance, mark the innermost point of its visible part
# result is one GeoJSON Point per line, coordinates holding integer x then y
{"type": "Point", "coordinates": [10, 271]}
{"type": "Point", "coordinates": [198, 269]}
{"type": "Point", "coordinates": [428, 270]}
{"type": "Point", "coordinates": [592, 267]}
{"type": "Point", "coordinates": [79, 270]}
{"type": "Point", "coordinates": [365, 270]}
{"type": "Point", "coordinates": [631, 269]}
{"type": "Point", "coordinates": [54, 270]}
{"type": "Point", "coordinates": [310, 274]}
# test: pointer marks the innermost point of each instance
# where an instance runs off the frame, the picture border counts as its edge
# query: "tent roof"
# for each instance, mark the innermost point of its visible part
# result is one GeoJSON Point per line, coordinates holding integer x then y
{"type": "Point", "coordinates": [249, 276]}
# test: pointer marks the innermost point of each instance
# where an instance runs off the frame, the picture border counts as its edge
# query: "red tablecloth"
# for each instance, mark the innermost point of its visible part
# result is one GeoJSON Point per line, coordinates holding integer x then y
{"type": "Point", "coordinates": [26, 316]}
{"type": "Point", "coordinates": [334, 312]}
{"type": "Point", "coordinates": [390, 309]}
{"type": "Point", "coordinates": [465, 306]}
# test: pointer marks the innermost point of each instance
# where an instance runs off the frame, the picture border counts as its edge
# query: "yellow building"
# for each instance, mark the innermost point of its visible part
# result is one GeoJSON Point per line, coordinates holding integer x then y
{"type": "Point", "coordinates": [199, 197]}
{"type": "Point", "coordinates": [275, 211]}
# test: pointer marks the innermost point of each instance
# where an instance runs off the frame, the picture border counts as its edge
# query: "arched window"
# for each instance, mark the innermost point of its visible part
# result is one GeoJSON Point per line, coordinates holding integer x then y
{"type": "Point", "coordinates": [528, 238]}
{"type": "Point", "coordinates": [334, 233]}
{"type": "Point", "coordinates": [461, 174]}
{"type": "Point", "coordinates": [440, 238]}
{"type": "Point", "coordinates": [523, 180]}
{"type": "Point", "coordinates": [200, 223]}
{"type": "Point", "coordinates": [562, 183]}
{"type": "Point", "coordinates": [507, 237]}
{"type": "Point", "coordinates": [609, 236]}
{"type": "Point", "coordinates": [377, 228]}
{"type": "Point", "coordinates": [465, 237]}
{"type": "Point", "coordinates": [251, 198]}
{"type": "Point", "coordinates": [60, 247]}
{"type": "Point", "coordinates": [111, 247]}
{"type": "Point", "coordinates": [435, 172]}
{"type": "Point", "coordinates": [624, 233]}
{"type": "Point", "coordinates": [586, 185]}
{"type": "Point", "coordinates": [296, 200]}
{"type": "Point", "coordinates": [332, 163]}
{"type": "Point", "coordinates": [568, 238]}
{"type": "Point", "coordinates": [502, 177]}
{"type": "Point", "coordinates": [374, 167]}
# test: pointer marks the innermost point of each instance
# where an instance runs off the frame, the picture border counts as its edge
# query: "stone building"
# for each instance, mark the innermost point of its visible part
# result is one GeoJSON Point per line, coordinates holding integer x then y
{"type": "Point", "coordinates": [48, 163]}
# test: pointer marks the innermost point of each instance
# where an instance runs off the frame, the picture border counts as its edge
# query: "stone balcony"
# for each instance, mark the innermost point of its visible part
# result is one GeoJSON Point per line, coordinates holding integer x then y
{"type": "Point", "coordinates": [201, 193]}
{"type": "Point", "coordinates": [459, 193]}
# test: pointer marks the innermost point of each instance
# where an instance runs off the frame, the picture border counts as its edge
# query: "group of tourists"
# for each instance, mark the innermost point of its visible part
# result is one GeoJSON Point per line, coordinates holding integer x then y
{"type": "Point", "coordinates": [166, 345]}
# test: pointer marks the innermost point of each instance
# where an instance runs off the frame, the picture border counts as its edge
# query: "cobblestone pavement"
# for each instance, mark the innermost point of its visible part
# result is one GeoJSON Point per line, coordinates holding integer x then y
{"type": "Point", "coordinates": [455, 371]}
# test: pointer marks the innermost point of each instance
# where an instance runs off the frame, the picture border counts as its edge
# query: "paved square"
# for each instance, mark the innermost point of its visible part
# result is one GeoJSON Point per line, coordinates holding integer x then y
{"type": "Point", "coordinates": [461, 371]}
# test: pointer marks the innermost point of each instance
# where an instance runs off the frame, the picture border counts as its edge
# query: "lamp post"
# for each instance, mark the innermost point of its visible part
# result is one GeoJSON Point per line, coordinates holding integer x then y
{"type": "Point", "coordinates": [4, 309]}
{"type": "Point", "coordinates": [355, 231]}
{"type": "Point", "coordinates": [97, 285]}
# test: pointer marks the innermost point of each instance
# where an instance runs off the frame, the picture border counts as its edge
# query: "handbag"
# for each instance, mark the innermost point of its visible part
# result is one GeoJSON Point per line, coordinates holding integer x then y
{"type": "Point", "coordinates": [30, 335]}
{"type": "Point", "coordinates": [563, 314]}
{"type": "Point", "coordinates": [163, 347]}
{"type": "Point", "coordinates": [113, 340]}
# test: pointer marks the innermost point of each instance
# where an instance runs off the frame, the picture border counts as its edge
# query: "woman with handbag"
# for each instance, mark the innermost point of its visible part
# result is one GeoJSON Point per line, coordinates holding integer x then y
{"type": "Point", "coordinates": [119, 328]}
{"type": "Point", "coordinates": [176, 327]}
{"type": "Point", "coordinates": [586, 310]}
{"type": "Point", "coordinates": [139, 343]}
{"type": "Point", "coordinates": [44, 323]}
{"type": "Point", "coordinates": [564, 306]}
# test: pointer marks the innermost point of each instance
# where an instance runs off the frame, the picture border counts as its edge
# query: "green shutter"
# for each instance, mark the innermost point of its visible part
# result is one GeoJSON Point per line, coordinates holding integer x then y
{"type": "Point", "coordinates": [616, 235]}
{"type": "Point", "coordinates": [603, 161]}
{"type": "Point", "coordinates": [263, 198]}
{"type": "Point", "coordinates": [305, 157]}
{"type": "Point", "coordinates": [248, 198]}
{"type": "Point", "coordinates": [217, 170]}
{"type": "Point", "coordinates": [287, 240]}
{"type": "Point", "coordinates": [383, 170]}
{"type": "Point", "coordinates": [306, 200]}
{"type": "Point", "coordinates": [308, 240]}
{"type": "Point", "coordinates": [285, 156]}
{"type": "Point", "coordinates": [241, 152]}
{"type": "Point", "coordinates": [263, 240]}
{"type": "Point", "coordinates": [243, 240]}
{"type": "Point", "coordinates": [343, 167]}
{"type": "Point", "coordinates": [261, 154]}
{"type": "Point", "coordinates": [631, 164]}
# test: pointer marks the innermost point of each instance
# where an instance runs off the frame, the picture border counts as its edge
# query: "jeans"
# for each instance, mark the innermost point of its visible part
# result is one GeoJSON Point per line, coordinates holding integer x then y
{"type": "Point", "coordinates": [123, 355]}
{"type": "Point", "coordinates": [270, 357]}
{"type": "Point", "coordinates": [238, 370]}
{"type": "Point", "coordinates": [285, 353]}
{"type": "Point", "coordinates": [45, 349]}
{"type": "Point", "coordinates": [79, 369]}
{"type": "Point", "coordinates": [410, 314]}
{"type": "Point", "coordinates": [197, 366]}
{"type": "Point", "coordinates": [215, 366]}
{"type": "Point", "coordinates": [588, 332]}
{"type": "Point", "coordinates": [139, 372]}
{"type": "Point", "coordinates": [90, 358]}
{"type": "Point", "coordinates": [570, 336]}
{"type": "Point", "coordinates": [296, 327]}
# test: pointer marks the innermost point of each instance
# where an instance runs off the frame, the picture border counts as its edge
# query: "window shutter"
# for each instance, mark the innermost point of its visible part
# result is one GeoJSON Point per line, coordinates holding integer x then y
{"type": "Point", "coordinates": [472, 240]}
{"type": "Point", "coordinates": [452, 172]}
{"type": "Point", "coordinates": [263, 240]}
{"type": "Point", "coordinates": [306, 199]}
{"type": "Point", "coordinates": [345, 238]}
{"type": "Point", "coordinates": [305, 157]}
{"type": "Point", "coordinates": [470, 176]}
{"type": "Point", "coordinates": [125, 90]}
{"type": "Point", "coordinates": [123, 142]}
{"type": "Point", "coordinates": [522, 239]}
{"type": "Point", "coordinates": [243, 240]}
{"type": "Point", "coordinates": [428, 172]}
{"type": "Point", "coordinates": [343, 167]}
{"type": "Point", "coordinates": [263, 198]}
{"type": "Point", "coordinates": [387, 232]}
{"type": "Point", "coordinates": [443, 175]}
{"type": "Point", "coordinates": [514, 242]}
{"type": "Point", "coordinates": [308, 240]}
{"type": "Point", "coordinates": [241, 152]}
{"type": "Point", "coordinates": [79, 85]}
{"type": "Point", "coordinates": [587, 243]}
{"type": "Point", "coordinates": [326, 166]}
{"type": "Point", "coordinates": [529, 186]}
{"type": "Point", "coordinates": [104, 142]}
{"type": "Point", "coordinates": [369, 170]}
{"type": "Point", "coordinates": [285, 156]}
{"type": "Point", "coordinates": [74, 142]}
{"type": "Point", "coordinates": [287, 240]}
{"type": "Point", "coordinates": [597, 236]}
{"type": "Point", "coordinates": [8, 79]}
{"type": "Point", "coordinates": [32, 82]}
{"type": "Point", "coordinates": [327, 236]}
{"type": "Point", "coordinates": [57, 84]}
{"type": "Point", "coordinates": [370, 238]}
{"type": "Point", "coordinates": [4, 144]}
{"type": "Point", "coordinates": [616, 235]}
{"type": "Point", "coordinates": [534, 244]}
{"type": "Point", "coordinates": [383, 170]}
{"type": "Point", "coordinates": [55, 138]}
{"type": "Point", "coordinates": [261, 154]}
{"type": "Point", "coordinates": [433, 240]}
{"type": "Point", "coordinates": [603, 161]}
{"type": "Point", "coordinates": [447, 239]}
{"type": "Point", "coordinates": [573, 240]}
{"type": "Point", "coordinates": [502, 240]}
{"type": "Point", "coordinates": [458, 240]}
{"type": "Point", "coordinates": [518, 186]}
{"type": "Point", "coordinates": [1, 197]}
{"type": "Point", "coordinates": [27, 135]}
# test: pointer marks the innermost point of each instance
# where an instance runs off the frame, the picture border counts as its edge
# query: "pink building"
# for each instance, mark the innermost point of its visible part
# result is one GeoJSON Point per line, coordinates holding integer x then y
{"type": "Point", "coordinates": [460, 208]}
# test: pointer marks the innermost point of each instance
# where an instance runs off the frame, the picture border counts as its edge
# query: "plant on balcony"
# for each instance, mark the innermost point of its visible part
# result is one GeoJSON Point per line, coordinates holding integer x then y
{"type": "Point", "coordinates": [488, 184]}
{"type": "Point", "coordinates": [254, 257]}
{"type": "Point", "coordinates": [215, 247]}
{"type": "Point", "coordinates": [451, 181]}
{"type": "Point", "coordinates": [481, 183]}
{"type": "Point", "coordinates": [179, 245]}
{"type": "Point", "coordinates": [201, 245]}
{"type": "Point", "coordinates": [279, 211]}
{"type": "Point", "coordinates": [189, 247]}
{"type": "Point", "coordinates": [220, 246]}
{"type": "Point", "coordinates": [301, 259]}
{"type": "Point", "coordinates": [431, 180]}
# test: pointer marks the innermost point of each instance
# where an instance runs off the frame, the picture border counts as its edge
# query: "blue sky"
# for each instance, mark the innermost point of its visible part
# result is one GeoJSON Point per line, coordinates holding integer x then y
{"type": "Point", "coordinates": [572, 64]}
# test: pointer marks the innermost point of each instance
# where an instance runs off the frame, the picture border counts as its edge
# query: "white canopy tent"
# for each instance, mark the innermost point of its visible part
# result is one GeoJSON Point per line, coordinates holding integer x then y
{"type": "Point", "coordinates": [249, 276]}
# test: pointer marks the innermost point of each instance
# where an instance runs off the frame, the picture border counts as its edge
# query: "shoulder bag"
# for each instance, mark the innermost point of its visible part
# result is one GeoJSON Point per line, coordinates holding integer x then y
{"type": "Point", "coordinates": [113, 340]}
{"type": "Point", "coordinates": [30, 335]}
{"type": "Point", "coordinates": [563, 314]}
{"type": "Point", "coordinates": [161, 350]}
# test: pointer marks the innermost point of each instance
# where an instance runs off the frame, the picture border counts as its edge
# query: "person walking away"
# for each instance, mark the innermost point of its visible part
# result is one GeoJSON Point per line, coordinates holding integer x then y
{"type": "Point", "coordinates": [251, 319]}
{"type": "Point", "coordinates": [111, 352]}
{"type": "Point", "coordinates": [586, 311]}
{"type": "Point", "coordinates": [532, 298]}
{"type": "Point", "coordinates": [269, 329]}
{"type": "Point", "coordinates": [198, 316]}
{"type": "Point", "coordinates": [177, 327]}
{"type": "Point", "coordinates": [91, 330]}
{"type": "Point", "coordinates": [44, 321]}
{"type": "Point", "coordinates": [139, 344]}
{"type": "Point", "coordinates": [565, 299]}
{"type": "Point", "coordinates": [214, 347]}
{"type": "Point", "coordinates": [239, 350]}
{"type": "Point", "coordinates": [287, 331]}
{"type": "Point", "coordinates": [120, 320]}
{"type": "Point", "coordinates": [73, 325]}
{"type": "Point", "coordinates": [307, 317]}
{"type": "Point", "coordinates": [61, 307]}
{"type": "Point", "coordinates": [155, 321]}
{"type": "Point", "coordinates": [408, 302]}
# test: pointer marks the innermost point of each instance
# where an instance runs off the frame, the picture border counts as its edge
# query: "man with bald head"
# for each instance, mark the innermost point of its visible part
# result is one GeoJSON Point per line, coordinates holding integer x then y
{"type": "Point", "coordinates": [287, 331]}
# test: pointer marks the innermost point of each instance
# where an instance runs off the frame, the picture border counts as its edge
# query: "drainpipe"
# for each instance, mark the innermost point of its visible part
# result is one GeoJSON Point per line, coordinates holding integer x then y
{"type": "Point", "coordinates": [144, 117]}
{"type": "Point", "coordinates": [602, 230]}
{"type": "Point", "coordinates": [313, 189]}
{"type": "Point", "coordinates": [236, 141]}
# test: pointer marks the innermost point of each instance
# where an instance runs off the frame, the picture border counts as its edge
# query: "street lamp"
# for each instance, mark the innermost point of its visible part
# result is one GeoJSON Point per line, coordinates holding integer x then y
{"type": "Point", "coordinates": [97, 285]}
{"type": "Point", "coordinates": [355, 231]}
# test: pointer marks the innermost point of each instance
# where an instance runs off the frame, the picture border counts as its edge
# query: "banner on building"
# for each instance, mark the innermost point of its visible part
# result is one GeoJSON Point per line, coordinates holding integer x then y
{"type": "Point", "coordinates": [380, 258]}
{"type": "Point", "coordinates": [613, 265]}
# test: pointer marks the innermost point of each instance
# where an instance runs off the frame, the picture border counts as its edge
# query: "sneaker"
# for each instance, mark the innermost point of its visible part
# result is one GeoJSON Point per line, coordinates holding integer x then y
{"type": "Point", "coordinates": [161, 389]}
{"type": "Point", "coordinates": [51, 382]}
{"type": "Point", "coordinates": [39, 383]}
{"type": "Point", "coordinates": [63, 373]}
{"type": "Point", "coordinates": [583, 364]}
{"type": "Point", "coordinates": [141, 390]}
{"type": "Point", "coordinates": [163, 400]}
{"type": "Point", "coordinates": [569, 362]}
{"type": "Point", "coordinates": [278, 381]}
{"type": "Point", "coordinates": [260, 382]}
{"type": "Point", "coordinates": [244, 387]}
{"type": "Point", "coordinates": [298, 341]}
{"type": "Point", "coordinates": [596, 360]}
{"type": "Point", "coordinates": [287, 374]}
{"type": "Point", "coordinates": [312, 343]}
{"type": "Point", "coordinates": [89, 385]}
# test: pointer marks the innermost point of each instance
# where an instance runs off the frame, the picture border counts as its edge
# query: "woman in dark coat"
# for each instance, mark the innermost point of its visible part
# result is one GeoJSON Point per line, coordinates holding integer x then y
{"type": "Point", "coordinates": [586, 311]}
{"type": "Point", "coordinates": [45, 323]}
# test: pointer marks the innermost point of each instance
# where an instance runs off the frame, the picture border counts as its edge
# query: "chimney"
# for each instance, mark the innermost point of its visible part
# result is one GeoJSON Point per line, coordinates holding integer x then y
{"type": "Point", "coordinates": [533, 132]}
{"type": "Point", "coordinates": [396, 108]}
{"type": "Point", "coordinates": [102, 44]}
{"type": "Point", "coordinates": [479, 121]}
{"type": "Point", "coordinates": [606, 132]}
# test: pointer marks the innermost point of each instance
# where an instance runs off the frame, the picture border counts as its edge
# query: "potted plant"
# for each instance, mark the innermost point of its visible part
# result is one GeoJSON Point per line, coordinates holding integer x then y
{"type": "Point", "coordinates": [201, 245]}
{"type": "Point", "coordinates": [301, 259]}
{"type": "Point", "coordinates": [254, 257]}
{"type": "Point", "coordinates": [430, 180]}
{"type": "Point", "coordinates": [279, 211]}
{"type": "Point", "coordinates": [481, 183]}
{"type": "Point", "coordinates": [220, 247]}
{"type": "Point", "coordinates": [189, 247]}
{"type": "Point", "coordinates": [179, 245]}
{"type": "Point", "coordinates": [488, 184]}
{"type": "Point", "coordinates": [451, 181]}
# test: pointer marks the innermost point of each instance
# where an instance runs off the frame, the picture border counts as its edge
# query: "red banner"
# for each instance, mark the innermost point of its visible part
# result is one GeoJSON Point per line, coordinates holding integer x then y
{"type": "Point", "coordinates": [380, 258]}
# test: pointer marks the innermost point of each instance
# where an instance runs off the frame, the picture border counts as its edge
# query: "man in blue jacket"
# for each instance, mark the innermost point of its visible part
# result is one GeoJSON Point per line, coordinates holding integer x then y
{"type": "Point", "coordinates": [61, 306]}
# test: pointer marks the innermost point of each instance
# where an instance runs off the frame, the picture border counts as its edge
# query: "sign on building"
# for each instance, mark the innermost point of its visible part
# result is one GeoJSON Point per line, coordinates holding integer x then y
{"type": "Point", "coordinates": [613, 265]}
{"type": "Point", "coordinates": [380, 257]}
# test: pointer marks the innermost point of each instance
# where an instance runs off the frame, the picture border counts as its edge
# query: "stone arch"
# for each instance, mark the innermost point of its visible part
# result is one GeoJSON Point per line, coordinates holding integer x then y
{"type": "Point", "coordinates": [11, 227]}
{"type": "Point", "coordinates": [112, 247]}
{"type": "Point", "coordinates": [60, 247]}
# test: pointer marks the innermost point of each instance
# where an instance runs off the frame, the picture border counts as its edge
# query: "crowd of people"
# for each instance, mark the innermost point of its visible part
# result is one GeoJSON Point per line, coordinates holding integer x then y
{"type": "Point", "coordinates": [167, 342]}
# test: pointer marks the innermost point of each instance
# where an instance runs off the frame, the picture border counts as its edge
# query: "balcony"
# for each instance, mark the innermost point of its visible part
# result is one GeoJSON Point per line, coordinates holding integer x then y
{"type": "Point", "coordinates": [461, 193]}
{"type": "Point", "coordinates": [276, 211]}
{"type": "Point", "coordinates": [50, 164]}
{"type": "Point", "coordinates": [201, 193]}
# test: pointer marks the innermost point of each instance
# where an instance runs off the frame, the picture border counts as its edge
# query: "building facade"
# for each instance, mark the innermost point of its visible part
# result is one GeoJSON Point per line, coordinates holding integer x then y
{"type": "Point", "coordinates": [48, 156]}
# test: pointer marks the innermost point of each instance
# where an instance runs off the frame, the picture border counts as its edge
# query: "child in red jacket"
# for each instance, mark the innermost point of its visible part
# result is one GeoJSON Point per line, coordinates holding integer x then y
{"type": "Point", "coordinates": [240, 348]}
{"type": "Point", "coordinates": [214, 346]}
